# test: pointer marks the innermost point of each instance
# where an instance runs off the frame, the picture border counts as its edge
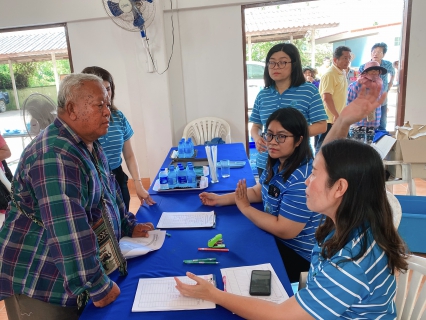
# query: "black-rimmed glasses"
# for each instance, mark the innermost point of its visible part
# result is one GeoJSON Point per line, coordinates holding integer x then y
{"type": "Point", "coordinates": [279, 138]}
{"type": "Point", "coordinates": [280, 64]}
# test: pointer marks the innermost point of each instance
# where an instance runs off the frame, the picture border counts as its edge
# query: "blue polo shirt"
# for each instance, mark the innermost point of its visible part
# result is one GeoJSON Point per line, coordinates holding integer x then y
{"type": "Point", "coordinates": [113, 142]}
{"type": "Point", "coordinates": [304, 98]}
{"type": "Point", "coordinates": [291, 204]}
{"type": "Point", "coordinates": [360, 289]}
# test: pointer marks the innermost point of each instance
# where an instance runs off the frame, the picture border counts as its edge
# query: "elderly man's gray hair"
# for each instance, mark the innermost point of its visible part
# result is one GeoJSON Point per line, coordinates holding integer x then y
{"type": "Point", "coordinates": [70, 85]}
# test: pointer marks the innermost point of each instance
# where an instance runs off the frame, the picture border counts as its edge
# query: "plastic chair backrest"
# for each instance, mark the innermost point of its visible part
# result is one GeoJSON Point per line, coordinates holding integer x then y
{"type": "Point", "coordinates": [396, 209]}
{"type": "Point", "coordinates": [407, 306]}
{"type": "Point", "coordinates": [207, 128]}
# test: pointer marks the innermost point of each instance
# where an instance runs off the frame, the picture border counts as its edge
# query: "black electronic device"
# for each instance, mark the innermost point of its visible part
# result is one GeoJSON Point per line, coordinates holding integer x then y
{"type": "Point", "coordinates": [260, 283]}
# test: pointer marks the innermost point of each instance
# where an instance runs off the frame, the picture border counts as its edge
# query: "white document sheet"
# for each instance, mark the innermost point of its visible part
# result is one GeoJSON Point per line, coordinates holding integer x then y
{"type": "Point", "coordinates": [160, 294]}
{"type": "Point", "coordinates": [187, 220]}
{"type": "Point", "coordinates": [237, 281]}
{"type": "Point", "coordinates": [134, 247]}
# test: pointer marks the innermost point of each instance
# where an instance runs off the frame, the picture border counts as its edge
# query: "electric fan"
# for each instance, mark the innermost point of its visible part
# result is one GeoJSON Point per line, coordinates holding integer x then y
{"type": "Point", "coordinates": [133, 15]}
{"type": "Point", "coordinates": [38, 112]}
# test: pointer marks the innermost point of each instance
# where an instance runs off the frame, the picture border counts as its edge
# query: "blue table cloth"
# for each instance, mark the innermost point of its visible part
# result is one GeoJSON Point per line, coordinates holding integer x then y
{"type": "Point", "coordinates": [248, 245]}
{"type": "Point", "coordinates": [231, 151]}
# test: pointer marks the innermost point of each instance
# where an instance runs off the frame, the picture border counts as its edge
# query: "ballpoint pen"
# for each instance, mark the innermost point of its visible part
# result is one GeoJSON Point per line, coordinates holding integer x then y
{"type": "Point", "coordinates": [200, 262]}
{"type": "Point", "coordinates": [205, 259]}
{"type": "Point", "coordinates": [213, 249]}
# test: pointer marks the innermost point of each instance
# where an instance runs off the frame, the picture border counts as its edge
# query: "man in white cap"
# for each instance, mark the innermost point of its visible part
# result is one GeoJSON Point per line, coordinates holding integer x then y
{"type": "Point", "coordinates": [371, 78]}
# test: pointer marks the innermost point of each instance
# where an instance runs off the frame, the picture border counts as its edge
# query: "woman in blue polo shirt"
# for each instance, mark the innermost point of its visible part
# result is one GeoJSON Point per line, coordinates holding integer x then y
{"type": "Point", "coordinates": [281, 188]}
{"type": "Point", "coordinates": [358, 250]}
{"type": "Point", "coordinates": [117, 141]}
{"type": "Point", "coordinates": [285, 86]}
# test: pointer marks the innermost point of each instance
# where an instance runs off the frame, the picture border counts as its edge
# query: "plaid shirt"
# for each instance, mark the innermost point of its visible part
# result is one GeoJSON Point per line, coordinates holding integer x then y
{"type": "Point", "coordinates": [57, 182]}
{"type": "Point", "coordinates": [353, 90]}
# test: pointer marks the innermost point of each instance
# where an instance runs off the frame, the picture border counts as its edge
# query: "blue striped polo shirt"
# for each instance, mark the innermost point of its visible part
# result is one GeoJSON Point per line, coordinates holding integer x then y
{"type": "Point", "coordinates": [119, 132]}
{"type": "Point", "coordinates": [360, 289]}
{"type": "Point", "coordinates": [291, 204]}
{"type": "Point", "coordinates": [304, 98]}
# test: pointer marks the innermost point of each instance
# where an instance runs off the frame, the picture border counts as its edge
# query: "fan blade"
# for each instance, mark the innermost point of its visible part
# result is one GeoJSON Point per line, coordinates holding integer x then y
{"type": "Point", "coordinates": [114, 8]}
{"type": "Point", "coordinates": [138, 21]}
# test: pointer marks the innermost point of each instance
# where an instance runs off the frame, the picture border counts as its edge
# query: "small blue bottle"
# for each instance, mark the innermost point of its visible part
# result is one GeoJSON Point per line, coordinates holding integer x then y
{"type": "Point", "coordinates": [187, 145]}
{"type": "Point", "coordinates": [172, 177]}
{"type": "Point", "coordinates": [181, 148]}
{"type": "Point", "coordinates": [164, 182]}
{"type": "Point", "coordinates": [192, 177]}
{"type": "Point", "coordinates": [182, 178]}
{"type": "Point", "coordinates": [191, 148]}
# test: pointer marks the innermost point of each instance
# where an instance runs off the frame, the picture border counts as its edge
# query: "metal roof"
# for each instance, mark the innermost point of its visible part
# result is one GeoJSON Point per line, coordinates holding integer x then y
{"type": "Point", "coordinates": [36, 46]}
{"type": "Point", "coordinates": [279, 22]}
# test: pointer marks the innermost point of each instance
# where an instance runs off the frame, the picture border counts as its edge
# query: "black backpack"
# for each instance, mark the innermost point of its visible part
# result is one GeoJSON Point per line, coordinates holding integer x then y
{"type": "Point", "coordinates": [4, 192]}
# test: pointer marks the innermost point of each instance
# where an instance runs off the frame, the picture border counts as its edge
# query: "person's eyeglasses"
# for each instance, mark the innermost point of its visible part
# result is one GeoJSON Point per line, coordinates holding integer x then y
{"type": "Point", "coordinates": [279, 138]}
{"type": "Point", "coordinates": [280, 64]}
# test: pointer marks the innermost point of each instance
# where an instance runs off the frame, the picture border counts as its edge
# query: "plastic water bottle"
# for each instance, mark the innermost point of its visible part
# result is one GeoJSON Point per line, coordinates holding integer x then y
{"type": "Point", "coordinates": [181, 148]}
{"type": "Point", "coordinates": [164, 183]}
{"type": "Point", "coordinates": [191, 147]}
{"type": "Point", "coordinates": [192, 177]}
{"type": "Point", "coordinates": [182, 178]}
{"type": "Point", "coordinates": [187, 145]}
{"type": "Point", "coordinates": [172, 179]}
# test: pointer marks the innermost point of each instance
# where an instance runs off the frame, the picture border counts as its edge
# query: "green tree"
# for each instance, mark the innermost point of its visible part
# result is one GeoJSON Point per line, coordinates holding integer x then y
{"type": "Point", "coordinates": [260, 50]}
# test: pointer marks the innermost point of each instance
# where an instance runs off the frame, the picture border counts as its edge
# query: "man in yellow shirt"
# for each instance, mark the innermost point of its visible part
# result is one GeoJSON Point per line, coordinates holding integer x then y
{"type": "Point", "coordinates": [333, 89]}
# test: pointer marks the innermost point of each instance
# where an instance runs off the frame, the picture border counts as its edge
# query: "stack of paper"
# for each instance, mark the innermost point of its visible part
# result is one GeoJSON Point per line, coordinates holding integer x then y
{"type": "Point", "coordinates": [187, 220]}
{"type": "Point", "coordinates": [212, 159]}
{"type": "Point", "coordinates": [134, 247]}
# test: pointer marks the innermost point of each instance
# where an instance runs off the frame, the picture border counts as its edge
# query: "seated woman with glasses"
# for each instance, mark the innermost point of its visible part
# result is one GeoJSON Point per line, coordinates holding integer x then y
{"type": "Point", "coordinates": [285, 86]}
{"type": "Point", "coordinates": [282, 190]}
{"type": "Point", "coordinates": [358, 250]}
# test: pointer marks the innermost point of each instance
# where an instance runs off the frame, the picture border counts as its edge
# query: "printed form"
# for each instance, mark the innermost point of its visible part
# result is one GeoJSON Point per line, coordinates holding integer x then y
{"type": "Point", "coordinates": [160, 294]}
{"type": "Point", "coordinates": [187, 220]}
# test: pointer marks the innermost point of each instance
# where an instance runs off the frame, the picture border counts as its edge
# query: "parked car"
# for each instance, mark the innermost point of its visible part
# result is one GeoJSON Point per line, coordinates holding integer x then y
{"type": "Point", "coordinates": [4, 99]}
{"type": "Point", "coordinates": [255, 81]}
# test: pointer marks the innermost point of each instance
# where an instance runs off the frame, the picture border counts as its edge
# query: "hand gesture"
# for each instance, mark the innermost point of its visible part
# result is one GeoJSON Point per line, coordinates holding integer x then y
{"type": "Point", "coordinates": [141, 230]}
{"type": "Point", "coordinates": [366, 102]}
{"type": "Point", "coordinates": [202, 290]}
{"type": "Point", "coordinates": [241, 199]}
{"type": "Point", "coordinates": [209, 199]}
{"type": "Point", "coordinates": [260, 144]}
{"type": "Point", "coordinates": [143, 195]}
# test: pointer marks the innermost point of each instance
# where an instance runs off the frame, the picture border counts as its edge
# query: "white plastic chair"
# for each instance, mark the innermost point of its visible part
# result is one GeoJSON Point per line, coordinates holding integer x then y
{"type": "Point", "coordinates": [207, 128]}
{"type": "Point", "coordinates": [410, 303]}
{"type": "Point", "coordinates": [396, 209]}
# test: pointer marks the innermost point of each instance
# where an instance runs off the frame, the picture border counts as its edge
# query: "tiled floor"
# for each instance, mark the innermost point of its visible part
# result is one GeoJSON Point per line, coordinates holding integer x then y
{"type": "Point", "coordinates": [135, 203]}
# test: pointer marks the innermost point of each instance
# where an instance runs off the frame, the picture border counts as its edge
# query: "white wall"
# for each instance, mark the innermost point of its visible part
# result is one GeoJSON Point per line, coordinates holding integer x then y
{"type": "Point", "coordinates": [206, 73]}
{"type": "Point", "coordinates": [415, 110]}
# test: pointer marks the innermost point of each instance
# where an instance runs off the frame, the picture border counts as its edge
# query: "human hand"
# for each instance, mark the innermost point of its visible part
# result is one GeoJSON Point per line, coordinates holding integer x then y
{"type": "Point", "coordinates": [202, 290]}
{"type": "Point", "coordinates": [260, 144]}
{"type": "Point", "coordinates": [143, 195]}
{"type": "Point", "coordinates": [363, 105]}
{"type": "Point", "coordinates": [209, 199]}
{"type": "Point", "coordinates": [335, 117]}
{"type": "Point", "coordinates": [110, 297]}
{"type": "Point", "coordinates": [309, 79]}
{"type": "Point", "coordinates": [141, 230]}
{"type": "Point", "coordinates": [241, 198]}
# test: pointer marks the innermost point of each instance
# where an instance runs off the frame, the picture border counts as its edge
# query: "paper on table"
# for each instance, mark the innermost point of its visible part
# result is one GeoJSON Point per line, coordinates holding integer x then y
{"type": "Point", "coordinates": [134, 247]}
{"type": "Point", "coordinates": [187, 220]}
{"type": "Point", "coordinates": [160, 294]}
{"type": "Point", "coordinates": [238, 282]}
{"type": "Point", "coordinates": [212, 164]}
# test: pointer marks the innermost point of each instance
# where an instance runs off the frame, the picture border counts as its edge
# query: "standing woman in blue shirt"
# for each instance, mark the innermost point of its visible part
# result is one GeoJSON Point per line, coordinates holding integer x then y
{"type": "Point", "coordinates": [358, 250]}
{"type": "Point", "coordinates": [117, 141]}
{"type": "Point", "coordinates": [281, 188]}
{"type": "Point", "coordinates": [285, 86]}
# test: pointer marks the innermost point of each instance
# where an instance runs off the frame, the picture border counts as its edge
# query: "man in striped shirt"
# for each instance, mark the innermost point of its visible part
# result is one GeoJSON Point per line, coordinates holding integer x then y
{"type": "Point", "coordinates": [49, 254]}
